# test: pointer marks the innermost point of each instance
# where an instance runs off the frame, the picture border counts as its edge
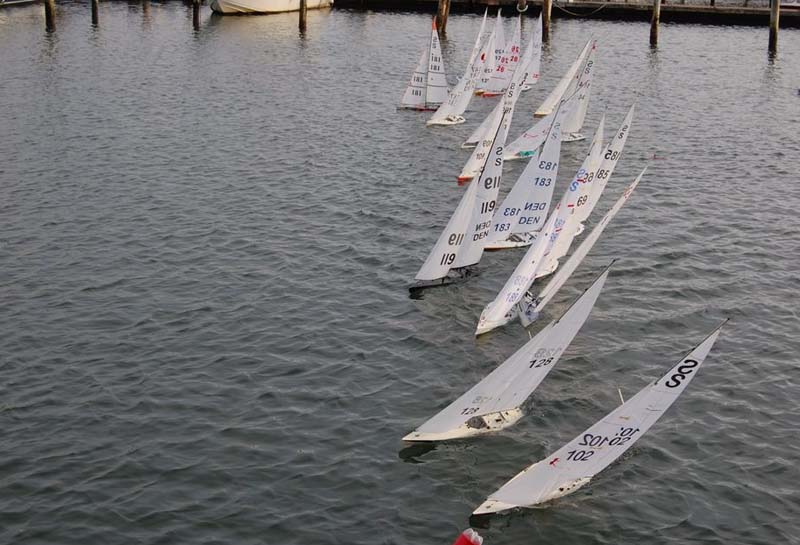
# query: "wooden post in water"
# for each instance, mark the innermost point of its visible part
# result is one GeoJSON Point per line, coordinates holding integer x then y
{"type": "Point", "coordinates": [303, 15]}
{"type": "Point", "coordinates": [654, 23]}
{"type": "Point", "coordinates": [522, 6]}
{"type": "Point", "coordinates": [95, 13]}
{"type": "Point", "coordinates": [441, 16]}
{"type": "Point", "coordinates": [50, 15]}
{"type": "Point", "coordinates": [196, 14]}
{"type": "Point", "coordinates": [547, 8]}
{"type": "Point", "coordinates": [774, 16]}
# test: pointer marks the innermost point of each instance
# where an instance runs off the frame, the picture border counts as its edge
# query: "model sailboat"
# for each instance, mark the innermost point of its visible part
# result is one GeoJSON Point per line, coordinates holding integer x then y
{"type": "Point", "coordinates": [530, 307]}
{"type": "Point", "coordinates": [496, 402]}
{"type": "Point", "coordinates": [461, 243]}
{"type": "Point", "coordinates": [428, 86]}
{"type": "Point", "coordinates": [450, 112]}
{"type": "Point", "coordinates": [576, 463]}
{"type": "Point", "coordinates": [521, 233]}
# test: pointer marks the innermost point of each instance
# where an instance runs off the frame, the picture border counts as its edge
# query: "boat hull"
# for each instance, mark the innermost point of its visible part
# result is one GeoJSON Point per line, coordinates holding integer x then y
{"type": "Point", "coordinates": [491, 423]}
{"type": "Point", "coordinates": [229, 7]}
{"type": "Point", "coordinates": [520, 241]}
{"type": "Point", "coordinates": [450, 120]}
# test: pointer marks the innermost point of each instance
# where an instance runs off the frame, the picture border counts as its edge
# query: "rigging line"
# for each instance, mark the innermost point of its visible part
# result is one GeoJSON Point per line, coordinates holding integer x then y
{"type": "Point", "coordinates": [565, 10]}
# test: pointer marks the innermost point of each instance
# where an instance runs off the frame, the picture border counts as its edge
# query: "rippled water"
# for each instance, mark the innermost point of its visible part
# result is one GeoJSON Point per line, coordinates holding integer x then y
{"type": "Point", "coordinates": [206, 242]}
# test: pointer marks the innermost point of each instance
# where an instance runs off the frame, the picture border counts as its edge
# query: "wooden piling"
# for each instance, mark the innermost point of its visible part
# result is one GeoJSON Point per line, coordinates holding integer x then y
{"type": "Point", "coordinates": [95, 12]}
{"type": "Point", "coordinates": [196, 14]}
{"type": "Point", "coordinates": [50, 15]}
{"type": "Point", "coordinates": [303, 15]}
{"type": "Point", "coordinates": [547, 9]}
{"type": "Point", "coordinates": [522, 6]}
{"type": "Point", "coordinates": [441, 16]}
{"type": "Point", "coordinates": [654, 23]}
{"type": "Point", "coordinates": [774, 16]}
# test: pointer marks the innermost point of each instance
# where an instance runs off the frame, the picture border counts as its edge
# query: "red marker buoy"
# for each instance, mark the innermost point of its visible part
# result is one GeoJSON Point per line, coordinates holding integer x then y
{"type": "Point", "coordinates": [468, 537]}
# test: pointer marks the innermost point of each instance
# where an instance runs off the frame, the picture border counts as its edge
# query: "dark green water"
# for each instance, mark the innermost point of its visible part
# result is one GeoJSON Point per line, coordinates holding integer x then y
{"type": "Point", "coordinates": [206, 240]}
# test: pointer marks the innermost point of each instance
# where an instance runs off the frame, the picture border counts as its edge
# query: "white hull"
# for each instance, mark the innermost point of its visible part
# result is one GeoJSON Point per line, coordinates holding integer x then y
{"type": "Point", "coordinates": [488, 423]}
{"type": "Point", "coordinates": [572, 137]}
{"type": "Point", "coordinates": [522, 240]}
{"type": "Point", "coordinates": [265, 6]}
{"type": "Point", "coordinates": [449, 120]}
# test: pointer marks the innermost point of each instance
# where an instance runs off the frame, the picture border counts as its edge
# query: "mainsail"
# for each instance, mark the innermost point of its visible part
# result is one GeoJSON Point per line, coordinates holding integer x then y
{"type": "Point", "coordinates": [496, 401]}
{"type": "Point", "coordinates": [574, 464]}
{"type": "Point", "coordinates": [450, 112]}
{"type": "Point", "coordinates": [506, 64]}
{"type": "Point", "coordinates": [428, 86]}
{"type": "Point", "coordinates": [461, 244]}
{"type": "Point", "coordinates": [525, 207]}
{"type": "Point", "coordinates": [561, 88]}
{"type": "Point", "coordinates": [574, 121]}
{"type": "Point", "coordinates": [530, 308]}
{"type": "Point", "coordinates": [606, 169]}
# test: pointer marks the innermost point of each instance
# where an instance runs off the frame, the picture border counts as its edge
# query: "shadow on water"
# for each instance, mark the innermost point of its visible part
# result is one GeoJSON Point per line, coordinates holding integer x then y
{"type": "Point", "coordinates": [410, 453]}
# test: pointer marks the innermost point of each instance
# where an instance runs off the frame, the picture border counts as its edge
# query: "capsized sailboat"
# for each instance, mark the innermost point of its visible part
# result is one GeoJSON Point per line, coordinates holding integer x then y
{"type": "Point", "coordinates": [573, 465]}
{"type": "Point", "coordinates": [531, 305]}
{"type": "Point", "coordinates": [450, 112]}
{"type": "Point", "coordinates": [496, 402]}
{"type": "Point", "coordinates": [428, 86]}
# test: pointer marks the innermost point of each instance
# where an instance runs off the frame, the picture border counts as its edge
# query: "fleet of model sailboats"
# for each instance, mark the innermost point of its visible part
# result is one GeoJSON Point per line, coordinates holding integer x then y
{"type": "Point", "coordinates": [528, 216]}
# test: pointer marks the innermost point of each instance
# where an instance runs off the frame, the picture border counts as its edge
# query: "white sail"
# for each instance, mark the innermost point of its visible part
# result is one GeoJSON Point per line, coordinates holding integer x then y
{"type": "Point", "coordinates": [487, 60]}
{"type": "Point", "coordinates": [485, 130]}
{"type": "Point", "coordinates": [536, 59]}
{"type": "Point", "coordinates": [443, 254]}
{"type": "Point", "coordinates": [488, 179]}
{"type": "Point", "coordinates": [525, 207]}
{"type": "Point", "coordinates": [436, 86]}
{"type": "Point", "coordinates": [528, 144]}
{"type": "Point", "coordinates": [568, 225]}
{"type": "Point", "coordinates": [588, 170]}
{"type": "Point", "coordinates": [558, 92]}
{"type": "Point", "coordinates": [482, 130]}
{"type": "Point", "coordinates": [574, 121]}
{"type": "Point", "coordinates": [606, 169]}
{"type": "Point", "coordinates": [456, 239]}
{"type": "Point", "coordinates": [505, 65]}
{"type": "Point", "coordinates": [496, 401]}
{"type": "Point", "coordinates": [529, 311]}
{"type": "Point", "coordinates": [414, 96]}
{"type": "Point", "coordinates": [574, 464]}
{"type": "Point", "coordinates": [486, 184]}
{"type": "Point", "coordinates": [450, 112]}
{"type": "Point", "coordinates": [498, 47]}
{"type": "Point", "coordinates": [499, 311]}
